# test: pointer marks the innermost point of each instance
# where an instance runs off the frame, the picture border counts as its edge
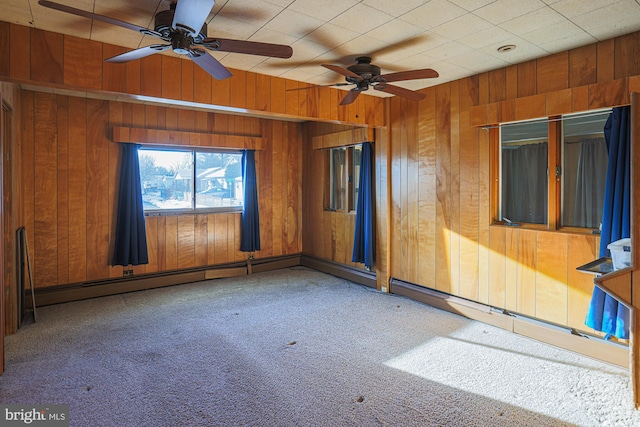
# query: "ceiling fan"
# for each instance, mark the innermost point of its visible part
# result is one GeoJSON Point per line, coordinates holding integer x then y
{"type": "Point", "coordinates": [364, 74]}
{"type": "Point", "coordinates": [184, 30]}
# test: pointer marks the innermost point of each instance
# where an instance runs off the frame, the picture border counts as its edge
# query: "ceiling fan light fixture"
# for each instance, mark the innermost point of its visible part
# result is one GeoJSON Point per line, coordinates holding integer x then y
{"type": "Point", "coordinates": [506, 48]}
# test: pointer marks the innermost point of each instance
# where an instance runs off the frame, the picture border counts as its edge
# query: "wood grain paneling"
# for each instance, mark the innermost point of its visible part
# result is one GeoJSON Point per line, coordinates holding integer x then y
{"type": "Point", "coordinates": [46, 56]}
{"type": "Point", "coordinates": [582, 66]}
{"type": "Point", "coordinates": [71, 167]}
{"type": "Point", "coordinates": [45, 220]}
{"type": "Point", "coordinates": [529, 271]}
{"type": "Point", "coordinates": [5, 31]}
{"type": "Point", "coordinates": [20, 52]}
{"type": "Point", "coordinates": [42, 57]}
{"type": "Point", "coordinates": [553, 72]}
{"type": "Point", "coordinates": [89, 54]}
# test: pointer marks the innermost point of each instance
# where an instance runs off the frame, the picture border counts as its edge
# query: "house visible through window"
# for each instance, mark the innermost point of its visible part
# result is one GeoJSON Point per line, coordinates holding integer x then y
{"type": "Point", "coordinates": [344, 174]}
{"type": "Point", "coordinates": [190, 180]}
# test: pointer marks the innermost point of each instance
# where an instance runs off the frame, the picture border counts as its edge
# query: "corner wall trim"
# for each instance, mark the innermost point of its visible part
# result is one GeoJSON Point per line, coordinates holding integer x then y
{"type": "Point", "coordinates": [597, 348]}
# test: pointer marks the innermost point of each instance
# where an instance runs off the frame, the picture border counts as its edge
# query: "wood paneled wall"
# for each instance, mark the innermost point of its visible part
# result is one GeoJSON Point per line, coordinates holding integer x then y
{"type": "Point", "coordinates": [326, 234]}
{"type": "Point", "coordinates": [40, 57]}
{"type": "Point", "coordinates": [440, 233]}
{"type": "Point", "coordinates": [11, 170]}
{"type": "Point", "coordinates": [70, 180]}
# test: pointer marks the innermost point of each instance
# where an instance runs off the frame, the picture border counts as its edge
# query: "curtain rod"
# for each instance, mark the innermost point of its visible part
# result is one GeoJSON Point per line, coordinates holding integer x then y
{"type": "Point", "coordinates": [550, 120]}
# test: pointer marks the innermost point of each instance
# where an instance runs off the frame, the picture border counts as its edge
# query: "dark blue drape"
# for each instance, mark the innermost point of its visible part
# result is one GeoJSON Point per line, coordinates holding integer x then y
{"type": "Point", "coordinates": [250, 216]}
{"type": "Point", "coordinates": [131, 238]}
{"type": "Point", "coordinates": [364, 234]}
{"type": "Point", "coordinates": [605, 313]}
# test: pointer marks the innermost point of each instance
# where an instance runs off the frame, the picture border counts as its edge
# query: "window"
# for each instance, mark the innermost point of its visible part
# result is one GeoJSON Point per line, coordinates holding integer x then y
{"type": "Point", "coordinates": [552, 171]}
{"type": "Point", "coordinates": [524, 148]}
{"type": "Point", "coordinates": [190, 180]}
{"type": "Point", "coordinates": [344, 174]}
{"type": "Point", "coordinates": [584, 169]}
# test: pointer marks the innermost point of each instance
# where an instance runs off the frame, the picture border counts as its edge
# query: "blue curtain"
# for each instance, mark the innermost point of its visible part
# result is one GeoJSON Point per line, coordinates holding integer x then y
{"type": "Point", "coordinates": [131, 238]}
{"type": "Point", "coordinates": [364, 234]}
{"type": "Point", "coordinates": [250, 216]}
{"type": "Point", "coordinates": [605, 313]}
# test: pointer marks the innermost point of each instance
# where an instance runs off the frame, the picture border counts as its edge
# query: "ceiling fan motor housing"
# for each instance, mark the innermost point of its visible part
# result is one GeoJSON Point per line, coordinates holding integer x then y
{"type": "Point", "coordinates": [164, 20]}
{"type": "Point", "coordinates": [364, 68]}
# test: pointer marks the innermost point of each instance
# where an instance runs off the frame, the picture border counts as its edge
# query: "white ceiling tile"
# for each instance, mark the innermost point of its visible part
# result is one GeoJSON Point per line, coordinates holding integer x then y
{"type": "Point", "coordinates": [281, 3]}
{"type": "Point", "coordinates": [331, 36]}
{"type": "Point", "coordinates": [304, 50]}
{"type": "Point", "coordinates": [486, 37]}
{"type": "Point", "coordinates": [17, 12]}
{"type": "Point", "coordinates": [230, 28]}
{"type": "Point", "coordinates": [325, 10]}
{"type": "Point", "coordinates": [266, 35]}
{"type": "Point", "coordinates": [573, 8]}
{"type": "Point", "coordinates": [504, 10]}
{"type": "Point", "coordinates": [395, 8]}
{"type": "Point", "coordinates": [432, 14]}
{"type": "Point", "coordinates": [471, 5]}
{"type": "Point", "coordinates": [541, 18]}
{"type": "Point", "coordinates": [250, 11]}
{"type": "Point", "coordinates": [242, 62]}
{"type": "Point", "coordinates": [461, 27]}
{"type": "Point", "coordinates": [611, 21]}
{"type": "Point", "coordinates": [448, 50]}
{"type": "Point", "coordinates": [294, 23]}
{"type": "Point", "coordinates": [524, 51]}
{"type": "Point", "coordinates": [140, 12]}
{"type": "Point", "coordinates": [363, 45]}
{"type": "Point", "coordinates": [558, 34]}
{"type": "Point", "coordinates": [395, 31]}
{"type": "Point", "coordinates": [477, 61]}
{"type": "Point", "coordinates": [361, 19]}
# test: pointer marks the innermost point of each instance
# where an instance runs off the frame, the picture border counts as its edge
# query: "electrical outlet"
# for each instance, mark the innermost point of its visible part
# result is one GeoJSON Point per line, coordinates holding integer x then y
{"type": "Point", "coordinates": [127, 273]}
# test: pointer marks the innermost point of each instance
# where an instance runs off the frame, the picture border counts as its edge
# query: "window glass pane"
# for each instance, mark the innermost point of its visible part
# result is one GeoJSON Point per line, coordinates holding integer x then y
{"type": "Point", "coordinates": [166, 177]}
{"type": "Point", "coordinates": [218, 180]}
{"type": "Point", "coordinates": [584, 169]}
{"type": "Point", "coordinates": [338, 175]}
{"type": "Point", "coordinates": [524, 172]}
{"type": "Point", "coordinates": [357, 154]}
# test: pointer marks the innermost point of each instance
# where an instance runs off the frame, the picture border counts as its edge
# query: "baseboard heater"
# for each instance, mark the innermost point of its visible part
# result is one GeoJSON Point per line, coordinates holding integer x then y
{"type": "Point", "coordinates": [558, 336]}
{"type": "Point", "coordinates": [363, 277]}
{"type": "Point", "coordinates": [78, 291]}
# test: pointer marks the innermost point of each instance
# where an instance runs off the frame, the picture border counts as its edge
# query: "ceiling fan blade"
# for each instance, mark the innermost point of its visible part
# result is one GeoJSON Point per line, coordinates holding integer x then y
{"type": "Point", "coordinates": [139, 53]}
{"type": "Point", "coordinates": [90, 15]}
{"type": "Point", "coordinates": [341, 70]}
{"type": "Point", "coordinates": [191, 14]}
{"type": "Point", "coordinates": [251, 48]}
{"type": "Point", "coordinates": [210, 64]}
{"type": "Point", "coordinates": [426, 73]}
{"type": "Point", "coordinates": [351, 96]}
{"type": "Point", "coordinates": [400, 91]}
{"type": "Point", "coordinates": [317, 86]}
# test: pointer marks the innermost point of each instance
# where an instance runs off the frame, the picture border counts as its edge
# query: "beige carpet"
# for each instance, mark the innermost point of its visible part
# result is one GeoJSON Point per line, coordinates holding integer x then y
{"type": "Point", "coordinates": [298, 348]}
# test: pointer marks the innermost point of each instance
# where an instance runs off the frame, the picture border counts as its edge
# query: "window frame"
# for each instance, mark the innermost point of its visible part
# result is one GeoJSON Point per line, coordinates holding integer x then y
{"type": "Point", "coordinates": [350, 184]}
{"type": "Point", "coordinates": [555, 141]}
{"type": "Point", "coordinates": [194, 209]}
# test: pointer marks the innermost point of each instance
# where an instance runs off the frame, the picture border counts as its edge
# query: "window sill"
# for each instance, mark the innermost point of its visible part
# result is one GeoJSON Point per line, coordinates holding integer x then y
{"type": "Point", "coordinates": [542, 227]}
{"type": "Point", "coordinates": [194, 212]}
